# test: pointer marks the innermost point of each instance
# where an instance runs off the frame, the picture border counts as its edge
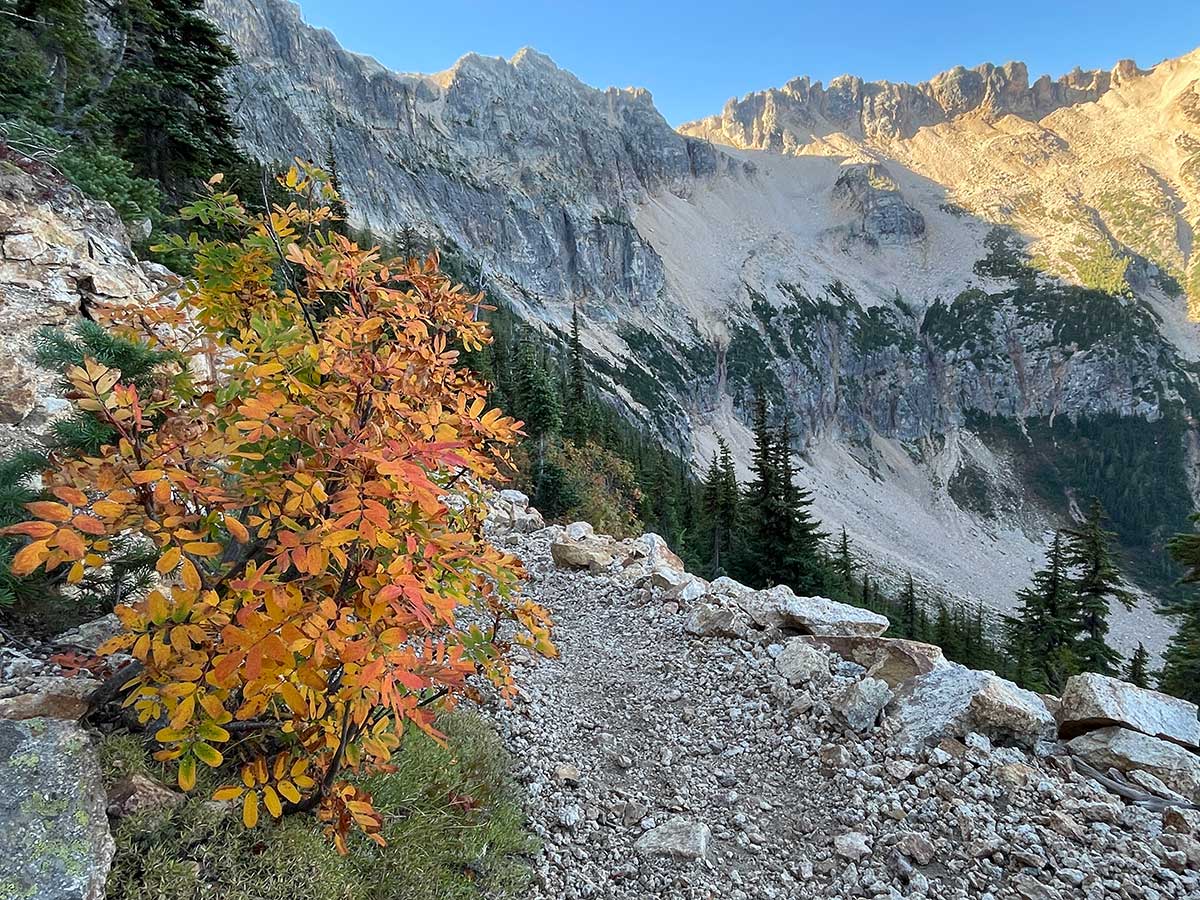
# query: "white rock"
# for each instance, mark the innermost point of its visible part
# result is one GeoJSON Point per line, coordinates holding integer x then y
{"type": "Point", "coordinates": [800, 662]}
{"type": "Point", "coordinates": [1092, 701]}
{"type": "Point", "coordinates": [1126, 750]}
{"type": "Point", "coordinates": [678, 837]}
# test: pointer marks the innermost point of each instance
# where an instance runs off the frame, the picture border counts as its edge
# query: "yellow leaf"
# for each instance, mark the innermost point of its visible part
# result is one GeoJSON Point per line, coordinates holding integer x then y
{"type": "Point", "coordinates": [237, 529]}
{"type": "Point", "coordinates": [288, 790]}
{"type": "Point", "coordinates": [209, 755]}
{"type": "Point", "coordinates": [228, 792]}
{"type": "Point", "coordinates": [250, 810]}
{"type": "Point", "coordinates": [271, 801]}
{"type": "Point", "coordinates": [190, 576]}
{"type": "Point", "coordinates": [202, 548]}
{"type": "Point", "coordinates": [168, 561]}
{"type": "Point", "coordinates": [29, 558]}
{"type": "Point", "coordinates": [187, 773]}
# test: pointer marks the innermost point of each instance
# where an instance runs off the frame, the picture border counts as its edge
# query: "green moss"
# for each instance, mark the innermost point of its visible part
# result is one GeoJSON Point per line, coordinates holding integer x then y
{"type": "Point", "coordinates": [453, 824]}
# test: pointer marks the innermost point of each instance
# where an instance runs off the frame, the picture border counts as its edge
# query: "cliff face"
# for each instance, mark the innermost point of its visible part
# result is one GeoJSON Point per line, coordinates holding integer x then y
{"type": "Point", "coordinates": [840, 249]}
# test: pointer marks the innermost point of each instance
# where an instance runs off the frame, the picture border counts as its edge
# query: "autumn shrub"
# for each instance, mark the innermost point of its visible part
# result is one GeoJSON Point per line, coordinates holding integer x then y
{"type": "Point", "coordinates": [308, 464]}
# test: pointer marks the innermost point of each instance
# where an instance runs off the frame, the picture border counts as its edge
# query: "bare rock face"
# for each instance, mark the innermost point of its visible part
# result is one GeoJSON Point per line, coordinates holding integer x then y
{"type": "Point", "coordinates": [1126, 750]}
{"type": "Point", "coordinates": [1092, 701]}
{"type": "Point", "coordinates": [882, 214]}
{"type": "Point", "coordinates": [55, 842]}
{"type": "Point", "coordinates": [953, 701]}
{"type": "Point", "coordinates": [59, 254]}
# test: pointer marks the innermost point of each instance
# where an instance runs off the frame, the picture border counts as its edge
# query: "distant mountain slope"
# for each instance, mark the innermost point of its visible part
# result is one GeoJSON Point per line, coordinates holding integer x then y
{"type": "Point", "coordinates": [901, 332]}
{"type": "Point", "coordinates": [1102, 169]}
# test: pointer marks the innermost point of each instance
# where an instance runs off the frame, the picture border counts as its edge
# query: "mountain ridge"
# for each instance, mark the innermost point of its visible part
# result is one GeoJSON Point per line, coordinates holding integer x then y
{"type": "Point", "coordinates": [880, 313]}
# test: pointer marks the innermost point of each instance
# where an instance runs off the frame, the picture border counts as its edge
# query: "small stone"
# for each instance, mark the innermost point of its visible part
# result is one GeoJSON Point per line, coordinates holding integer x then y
{"type": "Point", "coordinates": [678, 838]}
{"type": "Point", "coordinates": [852, 845]}
{"type": "Point", "coordinates": [566, 774]}
{"type": "Point", "coordinates": [916, 847]}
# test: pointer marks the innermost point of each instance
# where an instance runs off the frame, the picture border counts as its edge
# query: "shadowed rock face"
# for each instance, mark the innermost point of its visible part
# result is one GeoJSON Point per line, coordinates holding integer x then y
{"type": "Point", "coordinates": [874, 197]}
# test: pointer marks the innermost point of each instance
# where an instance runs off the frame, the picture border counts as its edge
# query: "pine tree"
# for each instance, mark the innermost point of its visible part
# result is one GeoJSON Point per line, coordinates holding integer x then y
{"type": "Point", "coordinates": [1041, 635]}
{"type": "Point", "coordinates": [578, 410]}
{"type": "Point", "coordinates": [1138, 673]}
{"type": "Point", "coordinates": [911, 621]}
{"type": "Point", "coordinates": [1097, 583]}
{"type": "Point", "coordinates": [759, 533]}
{"type": "Point", "coordinates": [338, 205]}
{"type": "Point", "coordinates": [1181, 662]}
{"type": "Point", "coordinates": [845, 566]}
{"type": "Point", "coordinates": [719, 506]}
{"type": "Point", "coordinates": [801, 562]}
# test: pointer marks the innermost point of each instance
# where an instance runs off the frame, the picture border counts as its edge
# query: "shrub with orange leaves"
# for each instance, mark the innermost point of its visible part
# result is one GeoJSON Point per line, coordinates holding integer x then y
{"type": "Point", "coordinates": [310, 473]}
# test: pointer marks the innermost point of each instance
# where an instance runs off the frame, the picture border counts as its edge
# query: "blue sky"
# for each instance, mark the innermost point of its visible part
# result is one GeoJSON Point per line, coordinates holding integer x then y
{"type": "Point", "coordinates": [694, 55]}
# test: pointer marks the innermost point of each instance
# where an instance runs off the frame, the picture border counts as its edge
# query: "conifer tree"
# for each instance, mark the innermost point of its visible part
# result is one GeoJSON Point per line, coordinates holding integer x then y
{"type": "Point", "coordinates": [341, 211]}
{"type": "Point", "coordinates": [760, 534]}
{"type": "Point", "coordinates": [1041, 635]}
{"type": "Point", "coordinates": [577, 416]}
{"type": "Point", "coordinates": [1096, 583]}
{"type": "Point", "coordinates": [1181, 662]}
{"type": "Point", "coordinates": [845, 566]}
{"type": "Point", "coordinates": [911, 621]}
{"type": "Point", "coordinates": [1138, 673]}
{"type": "Point", "coordinates": [801, 563]}
{"type": "Point", "coordinates": [720, 508]}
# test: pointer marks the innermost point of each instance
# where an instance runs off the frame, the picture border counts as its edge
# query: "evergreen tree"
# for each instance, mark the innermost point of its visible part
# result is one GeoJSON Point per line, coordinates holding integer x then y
{"type": "Point", "coordinates": [759, 534]}
{"type": "Point", "coordinates": [845, 566]}
{"type": "Point", "coordinates": [577, 417]}
{"type": "Point", "coordinates": [1096, 584]}
{"type": "Point", "coordinates": [719, 494]}
{"type": "Point", "coordinates": [1138, 673]}
{"type": "Point", "coordinates": [338, 207]}
{"type": "Point", "coordinates": [801, 562]}
{"type": "Point", "coordinates": [1181, 662]}
{"type": "Point", "coordinates": [1042, 634]}
{"type": "Point", "coordinates": [911, 621]}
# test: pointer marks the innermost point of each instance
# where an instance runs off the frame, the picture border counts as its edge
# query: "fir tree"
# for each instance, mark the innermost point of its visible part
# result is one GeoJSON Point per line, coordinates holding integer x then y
{"type": "Point", "coordinates": [1138, 673]}
{"type": "Point", "coordinates": [719, 494]}
{"type": "Point", "coordinates": [1181, 662]}
{"type": "Point", "coordinates": [844, 565]}
{"type": "Point", "coordinates": [801, 559]}
{"type": "Point", "coordinates": [760, 532]}
{"type": "Point", "coordinates": [1042, 634]}
{"type": "Point", "coordinates": [578, 424]}
{"type": "Point", "coordinates": [1096, 584]}
{"type": "Point", "coordinates": [911, 621]}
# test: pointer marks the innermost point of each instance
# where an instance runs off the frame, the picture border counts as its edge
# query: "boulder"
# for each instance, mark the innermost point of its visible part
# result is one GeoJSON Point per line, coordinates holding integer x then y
{"type": "Point", "coordinates": [50, 696]}
{"type": "Point", "coordinates": [859, 704]}
{"type": "Point", "coordinates": [709, 620]}
{"type": "Point", "coordinates": [724, 586]}
{"type": "Point", "coordinates": [889, 659]}
{"type": "Point", "coordinates": [651, 550]}
{"type": "Point", "coordinates": [953, 700]}
{"type": "Point", "coordinates": [678, 838]}
{"type": "Point", "coordinates": [585, 552]}
{"type": "Point", "coordinates": [1125, 750]}
{"type": "Point", "coordinates": [55, 841]}
{"type": "Point", "coordinates": [1094, 701]}
{"type": "Point", "coordinates": [800, 662]}
{"type": "Point", "coordinates": [777, 609]}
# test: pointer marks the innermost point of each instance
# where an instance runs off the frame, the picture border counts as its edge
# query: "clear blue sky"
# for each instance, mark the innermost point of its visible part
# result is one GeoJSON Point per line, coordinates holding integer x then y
{"type": "Point", "coordinates": [694, 55]}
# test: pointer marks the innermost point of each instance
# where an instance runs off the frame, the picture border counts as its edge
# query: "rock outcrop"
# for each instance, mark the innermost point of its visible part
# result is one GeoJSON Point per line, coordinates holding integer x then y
{"type": "Point", "coordinates": [1131, 751]}
{"type": "Point", "coordinates": [1092, 702]}
{"type": "Point", "coordinates": [55, 843]}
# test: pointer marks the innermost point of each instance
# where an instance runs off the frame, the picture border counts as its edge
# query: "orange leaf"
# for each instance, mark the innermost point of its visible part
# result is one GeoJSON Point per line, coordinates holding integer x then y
{"type": "Point", "coordinates": [168, 561]}
{"type": "Point", "coordinates": [29, 558]}
{"type": "Point", "coordinates": [237, 529]}
{"type": "Point", "coordinates": [250, 809]}
{"type": "Point", "coordinates": [50, 511]}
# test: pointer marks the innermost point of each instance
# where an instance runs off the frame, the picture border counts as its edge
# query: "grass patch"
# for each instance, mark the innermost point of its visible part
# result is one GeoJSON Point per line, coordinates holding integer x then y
{"type": "Point", "coordinates": [454, 827]}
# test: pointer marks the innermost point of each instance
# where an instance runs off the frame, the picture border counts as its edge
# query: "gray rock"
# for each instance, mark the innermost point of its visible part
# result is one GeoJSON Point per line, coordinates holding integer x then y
{"type": "Point", "coordinates": [50, 696]}
{"type": "Point", "coordinates": [678, 838]}
{"type": "Point", "coordinates": [852, 845]}
{"type": "Point", "coordinates": [779, 608]}
{"type": "Point", "coordinates": [709, 620]}
{"type": "Point", "coordinates": [891, 659]}
{"type": "Point", "coordinates": [90, 635]}
{"type": "Point", "coordinates": [55, 841]}
{"type": "Point", "coordinates": [860, 704]}
{"type": "Point", "coordinates": [953, 700]}
{"type": "Point", "coordinates": [1092, 701]}
{"type": "Point", "coordinates": [1127, 750]}
{"type": "Point", "coordinates": [800, 662]}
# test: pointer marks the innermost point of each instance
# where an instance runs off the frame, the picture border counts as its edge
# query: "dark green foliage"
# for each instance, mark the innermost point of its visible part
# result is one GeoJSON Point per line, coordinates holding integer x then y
{"type": "Point", "coordinates": [1041, 636]}
{"type": "Point", "coordinates": [1181, 661]}
{"type": "Point", "coordinates": [1137, 470]}
{"type": "Point", "coordinates": [719, 508]}
{"type": "Point", "coordinates": [139, 119]}
{"type": "Point", "coordinates": [18, 475]}
{"type": "Point", "coordinates": [1138, 673]}
{"type": "Point", "coordinates": [1096, 584]}
{"type": "Point", "coordinates": [844, 565]}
